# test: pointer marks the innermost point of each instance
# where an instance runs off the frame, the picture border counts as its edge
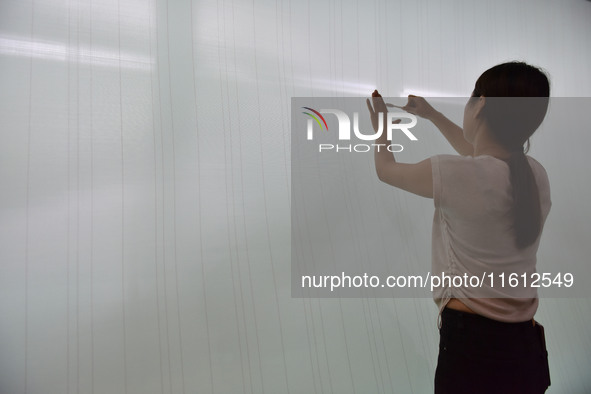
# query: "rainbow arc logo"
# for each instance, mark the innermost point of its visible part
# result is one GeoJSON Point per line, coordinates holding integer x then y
{"type": "Point", "coordinates": [315, 118]}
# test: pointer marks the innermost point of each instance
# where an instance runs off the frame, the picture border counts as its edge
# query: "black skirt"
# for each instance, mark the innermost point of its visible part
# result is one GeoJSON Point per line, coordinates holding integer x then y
{"type": "Point", "coordinates": [481, 355]}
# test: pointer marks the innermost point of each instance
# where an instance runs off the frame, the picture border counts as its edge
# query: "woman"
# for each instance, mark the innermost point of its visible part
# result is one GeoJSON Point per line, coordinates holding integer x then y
{"type": "Point", "coordinates": [491, 204]}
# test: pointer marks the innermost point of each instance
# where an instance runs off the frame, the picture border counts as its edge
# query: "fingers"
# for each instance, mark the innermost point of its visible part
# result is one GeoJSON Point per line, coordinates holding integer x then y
{"type": "Point", "coordinates": [395, 106]}
{"type": "Point", "coordinates": [378, 102]}
{"type": "Point", "coordinates": [375, 97]}
{"type": "Point", "coordinates": [369, 107]}
{"type": "Point", "coordinates": [409, 108]}
{"type": "Point", "coordinates": [412, 103]}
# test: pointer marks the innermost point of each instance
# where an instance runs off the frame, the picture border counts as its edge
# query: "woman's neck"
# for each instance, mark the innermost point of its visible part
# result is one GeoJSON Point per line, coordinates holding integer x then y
{"type": "Point", "coordinates": [484, 144]}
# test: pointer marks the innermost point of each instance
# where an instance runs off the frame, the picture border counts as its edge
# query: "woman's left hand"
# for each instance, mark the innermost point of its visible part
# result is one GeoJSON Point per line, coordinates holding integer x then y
{"type": "Point", "coordinates": [379, 107]}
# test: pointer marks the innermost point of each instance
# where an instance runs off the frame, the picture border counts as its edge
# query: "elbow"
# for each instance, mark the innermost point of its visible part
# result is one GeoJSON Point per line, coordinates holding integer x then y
{"type": "Point", "coordinates": [384, 165]}
{"type": "Point", "coordinates": [380, 173]}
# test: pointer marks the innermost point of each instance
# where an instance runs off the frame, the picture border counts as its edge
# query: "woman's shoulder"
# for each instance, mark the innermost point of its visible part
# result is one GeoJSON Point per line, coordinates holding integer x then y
{"type": "Point", "coordinates": [467, 161]}
{"type": "Point", "coordinates": [540, 174]}
{"type": "Point", "coordinates": [534, 163]}
{"type": "Point", "coordinates": [483, 161]}
{"type": "Point", "coordinates": [537, 168]}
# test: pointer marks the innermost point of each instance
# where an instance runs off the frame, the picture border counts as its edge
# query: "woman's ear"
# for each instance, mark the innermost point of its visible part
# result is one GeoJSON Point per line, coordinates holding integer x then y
{"type": "Point", "coordinates": [479, 106]}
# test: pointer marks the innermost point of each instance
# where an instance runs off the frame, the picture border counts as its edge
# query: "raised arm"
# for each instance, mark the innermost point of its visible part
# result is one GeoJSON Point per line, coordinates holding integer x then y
{"type": "Point", "coordinates": [415, 178]}
{"type": "Point", "coordinates": [452, 132]}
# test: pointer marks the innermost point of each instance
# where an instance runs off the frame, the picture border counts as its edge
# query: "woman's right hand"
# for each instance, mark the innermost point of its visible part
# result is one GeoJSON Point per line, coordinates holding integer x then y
{"type": "Point", "coordinates": [417, 105]}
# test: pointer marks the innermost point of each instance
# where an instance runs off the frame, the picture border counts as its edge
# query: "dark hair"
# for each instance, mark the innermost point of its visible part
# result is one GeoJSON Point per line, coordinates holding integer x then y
{"type": "Point", "coordinates": [525, 92]}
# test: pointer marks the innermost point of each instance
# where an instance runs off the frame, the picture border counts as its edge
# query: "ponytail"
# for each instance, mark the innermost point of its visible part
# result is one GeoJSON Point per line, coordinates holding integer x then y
{"type": "Point", "coordinates": [526, 210]}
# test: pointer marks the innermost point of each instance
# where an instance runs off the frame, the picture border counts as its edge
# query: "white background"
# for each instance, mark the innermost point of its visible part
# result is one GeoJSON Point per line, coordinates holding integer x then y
{"type": "Point", "coordinates": [145, 203]}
